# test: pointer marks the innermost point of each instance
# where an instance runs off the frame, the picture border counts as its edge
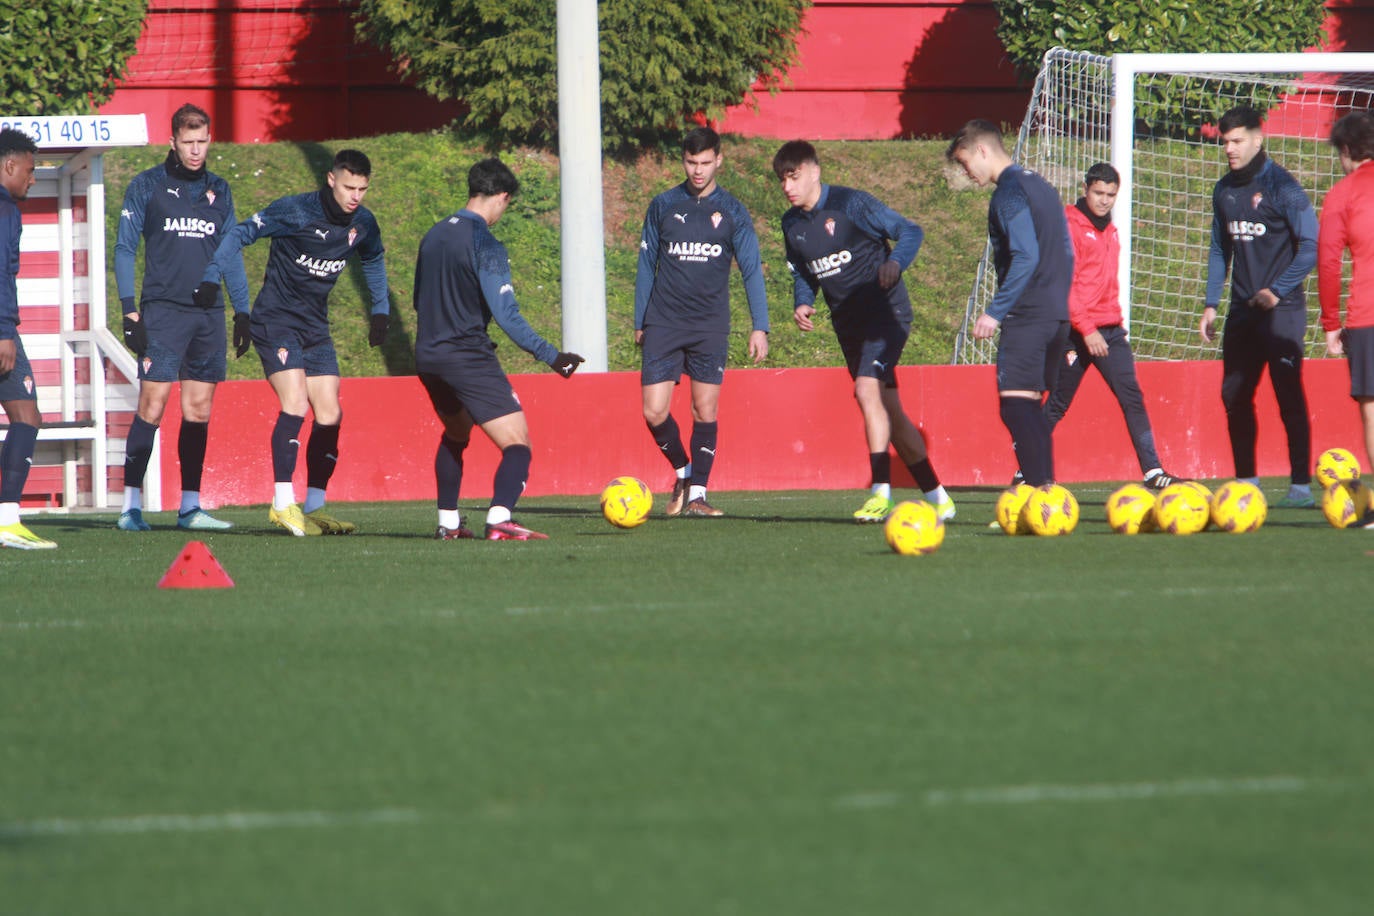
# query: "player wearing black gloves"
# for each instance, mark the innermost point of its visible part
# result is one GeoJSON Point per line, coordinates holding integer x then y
{"type": "Point", "coordinates": [462, 282]}
{"type": "Point", "coordinates": [313, 235]}
{"type": "Point", "coordinates": [179, 212]}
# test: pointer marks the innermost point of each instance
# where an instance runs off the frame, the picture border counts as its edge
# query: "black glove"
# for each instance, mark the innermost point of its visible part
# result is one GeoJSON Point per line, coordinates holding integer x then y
{"type": "Point", "coordinates": [242, 339]}
{"type": "Point", "coordinates": [565, 364]}
{"type": "Point", "coordinates": [889, 273]}
{"type": "Point", "coordinates": [376, 332]}
{"type": "Point", "coordinates": [135, 336]}
{"type": "Point", "coordinates": [206, 295]}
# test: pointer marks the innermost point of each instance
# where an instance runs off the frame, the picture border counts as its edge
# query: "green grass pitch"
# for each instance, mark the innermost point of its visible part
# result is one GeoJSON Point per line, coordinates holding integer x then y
{"type": "Point", "coordinates": [768, 713]}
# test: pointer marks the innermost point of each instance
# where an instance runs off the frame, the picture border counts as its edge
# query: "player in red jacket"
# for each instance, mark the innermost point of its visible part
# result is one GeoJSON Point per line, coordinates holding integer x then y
{"type": "Point", "coordinates": [1347, 222]}
{"type": "Point", "coordinates": [1097, 338]}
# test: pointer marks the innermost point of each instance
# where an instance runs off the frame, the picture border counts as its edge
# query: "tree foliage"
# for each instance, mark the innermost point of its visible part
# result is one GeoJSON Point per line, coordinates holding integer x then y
{"type": "Point", "coordinates": [661, 63]}
{"type": "Point", "coordinates": [64, 56]}
{"type": "Point", "coordinates": [1029, 28]}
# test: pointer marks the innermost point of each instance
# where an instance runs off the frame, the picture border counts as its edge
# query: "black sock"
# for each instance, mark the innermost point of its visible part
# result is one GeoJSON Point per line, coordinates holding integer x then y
{"type": "Point", "coordinates": [668, 438]}
{"type": "Point", "coordinates": [285, 444]}
{"type": "Point", "coordinates": [448, 471]}
{"type": "Point", "coordinates": [14, 461]}
{"type": "Point", "coordinates": [703, 452]}
{"type": "Point", "coordinates": [1031, 439]}
{"type": "Point", "coordinates": [923, 472]}
{"type": "Point", "coordinates": [321, 455]}
{"type": "Point", "coordinates": [880, 467]}
{"type": "Point", "coordinates": [511, 475]}
{"type": "Point", "coordinates": [191, 452]}
{"type": "Point", "coordinates": [138, 450]}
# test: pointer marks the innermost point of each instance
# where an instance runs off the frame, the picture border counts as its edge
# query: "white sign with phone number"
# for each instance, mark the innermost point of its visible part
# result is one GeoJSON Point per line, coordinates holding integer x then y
{"type": "Point", "coordinates": [79, 131]}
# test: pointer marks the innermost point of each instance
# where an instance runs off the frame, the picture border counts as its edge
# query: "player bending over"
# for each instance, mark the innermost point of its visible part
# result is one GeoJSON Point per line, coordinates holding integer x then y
{"type": "Point", "coordinates": [313, 235]}
{"type": "Point", "coordinates": [462, 282]}
{"type": "Point", "coordinates": [837, 241]}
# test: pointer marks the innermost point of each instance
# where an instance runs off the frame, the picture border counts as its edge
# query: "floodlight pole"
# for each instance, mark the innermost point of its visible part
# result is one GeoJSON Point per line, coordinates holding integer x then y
{"type": "Point", "coordinates": [579, 152]}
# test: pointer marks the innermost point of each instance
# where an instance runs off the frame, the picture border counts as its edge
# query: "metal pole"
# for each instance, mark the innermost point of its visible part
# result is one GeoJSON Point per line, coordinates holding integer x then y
{"type": "Point", "coordinates": [579, 150]}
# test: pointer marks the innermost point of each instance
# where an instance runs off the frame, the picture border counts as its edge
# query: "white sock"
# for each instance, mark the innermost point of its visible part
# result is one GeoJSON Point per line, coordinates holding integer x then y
{"type": "Point", "coordinates": [695, 492]}
{"type": "Point", "coordinates": [190, 499]}
{"type": "Point", "coordinates": [283, 495]}
{"type": "Point", "coordinates": [314, 499]}
{"type": "Point", "coordinates": [685, 471]}
{"type": "Point", "coordinates": [448, 518]}
{"type": "Point", "coordinates": [133, 498]}
{"type": "Point", "coordinates": [883, 489]}
{"type": "Point", "coordinates": [497, 514]}
{"type": "Point", "coordinates": [937, 495]}
{"type": "Point", "coordinates": [9, 513]}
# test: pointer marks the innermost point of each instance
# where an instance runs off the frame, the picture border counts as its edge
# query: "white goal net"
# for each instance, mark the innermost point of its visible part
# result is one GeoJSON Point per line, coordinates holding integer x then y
{"type": "Point", "coordinates": [1153, 116]}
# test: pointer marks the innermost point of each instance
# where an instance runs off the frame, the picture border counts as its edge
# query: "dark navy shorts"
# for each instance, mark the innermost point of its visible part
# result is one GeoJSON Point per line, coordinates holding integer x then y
{"type": "Point", "coordinates": [183, 345]}
{"type": "Point", "coordinates": [1029, 354]}
{"type": "Point", "coordinates": [1359, 349]}
{"type": "Point", "coordinates": [18, 383]}
{"type": "Point", "coordinates": [472, 379]}
{"type": "Point", "coordinates": [874, 352]}
{"type": "Point", "coordinates": [668, 352]}
{"type": "Point", "coordinates": [284, 348]}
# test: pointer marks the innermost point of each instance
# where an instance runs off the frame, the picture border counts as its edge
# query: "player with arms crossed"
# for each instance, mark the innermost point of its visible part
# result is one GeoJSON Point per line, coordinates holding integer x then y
{"type": "Point", "coordinates": [837, 241]}
{"type": "Point", "coordinates": [462, 282]}
{"type": "Point", "coordinates": [179, 211]}
{"type": "Point", "coordinates": [1097, 339]}
{"type": "Point", "coordinates": [1033, 258]}
{"type": "Point", "coordinates": [313, 235]}
{"type": "Point", "coordinates": [1347, 222]}
{"type": "Point", "coordinates": [18, 393]}
{"type": "Point", "coordinates": [682, 310]}
{"type": "Point", "coordinates": [1265, 231]}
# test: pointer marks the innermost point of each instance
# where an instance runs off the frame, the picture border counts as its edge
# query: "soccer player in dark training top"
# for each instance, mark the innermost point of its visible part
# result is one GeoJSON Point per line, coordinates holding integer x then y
{"type": "Point", "coordinates": [682, 310]}
{"type": "Point", "coordinates": [852, 247]}
{"type": "Point", "coordinates": [1033, 259]}
{"type": "Point", "coordinates": [18, 393]}
{"type": "Point", "coordinates": [180, 212]}
{"type": "Point", "coordinates": [313, 235]}
{"type": "Point", "coordinates": [1265, 230]}
{"type": "Point", "coordinates": [462, 282]}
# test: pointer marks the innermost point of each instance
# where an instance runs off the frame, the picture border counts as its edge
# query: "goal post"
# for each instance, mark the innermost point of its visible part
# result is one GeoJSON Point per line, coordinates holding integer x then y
{"type": "Point", "coordinates": [1153, 117]}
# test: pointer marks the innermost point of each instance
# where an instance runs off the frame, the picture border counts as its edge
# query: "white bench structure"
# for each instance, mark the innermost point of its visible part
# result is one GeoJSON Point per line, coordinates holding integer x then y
{"type": "Point", "coordinates": [87, 381]}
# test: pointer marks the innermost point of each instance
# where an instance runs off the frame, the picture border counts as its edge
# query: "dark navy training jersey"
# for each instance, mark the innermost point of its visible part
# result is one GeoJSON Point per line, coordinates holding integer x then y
{"type": "Point", "coordinates": [462, 282]}
{"type": "Point", "coordinates": [180, 222]}
{"type": "Point", "coordinates": [838, 245]}
{"type": "Point", "coordinates": [11, 226]}
{"type": "Point", "coordinates": [1265, 230]}
{"type": "Point", "coordinates": [683, 280]}
{"type": "Point", "coordinates": [1031, 250]}
{"type": "Point", "coordinates": [310, 248]}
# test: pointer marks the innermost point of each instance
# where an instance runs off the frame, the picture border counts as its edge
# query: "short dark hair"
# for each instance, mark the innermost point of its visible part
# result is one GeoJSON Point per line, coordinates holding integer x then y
{"type": "Point", "coordinates": [1104, 172]}
{"type": "Point", "coordinates": [15, 143]}
{"type": "Point", "coordinates": [189, 117]}
{"type": "Point", "coordinates": [699, 140]}
{"type": "Point", "coordinates": [354, 161]}
{"type": "Point", "coordinates": [491, 177]}
{"type": "Point", "coordinates": [979, 130]}
{"type": "Point", "coordinates": [1243, 116]}
{"type": "Point", "coordinates": [792, 155]}
{"type": "Point", "coordinates": [1353, 135]}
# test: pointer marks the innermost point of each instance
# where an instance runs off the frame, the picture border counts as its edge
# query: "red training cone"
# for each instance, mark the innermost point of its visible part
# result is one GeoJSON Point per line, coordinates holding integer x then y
{"type": "Point", "coordinates": [196, 567]}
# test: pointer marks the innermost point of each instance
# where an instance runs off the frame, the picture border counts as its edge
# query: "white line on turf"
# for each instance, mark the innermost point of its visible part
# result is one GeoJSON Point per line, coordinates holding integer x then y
{"type": "Point", "coordinates": [205, 823]}
{"type": "Point", "coordinates": [41, 624]}
{"type": "Point", "coordinates": [1121, 791]}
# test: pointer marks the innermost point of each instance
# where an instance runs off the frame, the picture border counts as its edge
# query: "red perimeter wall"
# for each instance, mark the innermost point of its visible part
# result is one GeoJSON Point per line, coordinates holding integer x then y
{"type": "Point", "coordinates": [876, 69]}
{"type": "Point", "coordinates": [780, 429]}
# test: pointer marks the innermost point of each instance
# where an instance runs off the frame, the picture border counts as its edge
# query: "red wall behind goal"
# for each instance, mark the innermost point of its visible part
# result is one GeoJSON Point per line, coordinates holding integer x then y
{"type": "Point", "coordinates": [868, 69]}
{"type": "Point", "coordinates": [779, 429]}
